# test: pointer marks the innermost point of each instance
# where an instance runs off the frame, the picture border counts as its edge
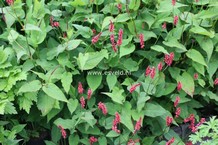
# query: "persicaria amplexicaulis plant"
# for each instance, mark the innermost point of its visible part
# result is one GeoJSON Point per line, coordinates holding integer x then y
{"type": "Point", "coordinates": [63, 132]}
{"type": "Point", "coordinates": [102, 107]}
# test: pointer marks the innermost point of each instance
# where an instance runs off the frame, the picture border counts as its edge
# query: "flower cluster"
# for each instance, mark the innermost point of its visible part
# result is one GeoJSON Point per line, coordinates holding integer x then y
{"type": "Point", "coordinates": [138, 125]}
{"type": "Point", "coordinates": [92, 140]}
{"type": "Point", "coordinates": [54, 23]}
{"type": "Point", "coordinates": [120, 37]}
{"type": "Point", "coordinates": [150, 72]}
{"type": "Point", "coordinates": [179, 86]}
{"type": "Point", "coordinates": [89, 93]}
{"type": "Point", "coordinates": [82, 102]}
{"type": "Point", "coordinates": [168, 59]}
{"type": "Point", "coordinates": [141, 38]}
{"type": "Point", "coordinates": [116, 121]}
{"type": "Point", "coordinates": [95, 38]}
{"type": "Point", "coordinates": [9, 2]}
{"type": "Point", "coordinates": [80, 88]}
{"type": "Point", "coordinates": [216, 81]}
{"type": "Point", "coordinates": [171, 141]}
{"type": "Point", "coordinates": [191, 120]}
{"type": "Point", "coordinates": [169, 120]}
{"type": "Point", "coordinates": [102, 107]}
{"type": "Point", "coordinates": [133, 87]}
{"type": "Point", "coordinates": [63, 132]}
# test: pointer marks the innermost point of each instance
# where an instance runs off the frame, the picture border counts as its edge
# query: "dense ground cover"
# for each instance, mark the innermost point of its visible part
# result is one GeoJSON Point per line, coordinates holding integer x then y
{"type": "Point", "coordinates": [107, 71]}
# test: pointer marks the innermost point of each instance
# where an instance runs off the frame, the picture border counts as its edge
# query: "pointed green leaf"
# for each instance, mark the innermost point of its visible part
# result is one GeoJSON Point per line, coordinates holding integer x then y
{"type": "Point", "coordinates": [111, 81]}
{"type": "Point", "coordinates": [94, 81]}
{"type": "Point", "coordinates": [154, 110]}
{"type": "Point", "coordinates": [196, 56]}
{"type": "Point", "coordinates": [159, 48]}
{"type": "Point", "coordinates": [32, 86]}
{"type": "Point", "coordinates": [127, 49]}
{"type": "Point", "coordinates": [66, 81]}
{"type": "Point", "coordinates": [187, 83]}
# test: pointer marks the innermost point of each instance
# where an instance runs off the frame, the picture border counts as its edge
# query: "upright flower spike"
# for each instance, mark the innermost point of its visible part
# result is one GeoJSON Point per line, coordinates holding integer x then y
{"type": "Point", "coordinates": [148, 71]}
{"type": "Point", "coordinates": [178, 111]}
{"type": "Point", "coordinates": [168, 59]}
{"type": "Point", "coordinates": [138, 125]}
{"type": "Point", "coordinates": [116, 121]}
{"type": "Point", "coordinates": [171, 141]}
{"type": "Point", "coordinates": [10, 2]}
{"type": "Point", "coordinates": [196, 76]}
{"type": "Point", "coordinates": [82, 102]}
{"type": "Point", "coordinates": [169, 120]}
{"type": "Point", "coordinates": [216, 81]}
{"type": "Point", "coordinates": [89, 94]}
{"type": "Point", "coordinates": [164, 25]}
{"type": "Point", "coordinates": [133, 87]}
{"type": "Point", "coordinates": [102, 107]}
{"type": "Point", "coordinates": [80, 88]}
{"type": "Point", "coordinates": [56, 24]}
{"type": "Point", "coordinates": [175, 20]}
{"type": "Point", "coordinates": [153, 72]}
{"type": "Point", "coordinates": [63, 132]}
{"type": "Point", "coordinates": [141, 38]}
{"type": "Point", "coordinates": [120, 37]}
{"type": "Point", "coordinates": [92, 140]}
{"type": "Point", "coordinates": [160, 66]}
{"type": "Point", "coordinates": [173, 2]}
{"type": "Point", "coordinates": [95, 38]}
{"type": "Point", "coordinates": [179, 86]}
{"type": "Point", "coordinates": [119, 6]}
{"type": "Point", "coordinates": [113, 43]}
{"type": "Point", "coordinates": [176, 102]}
{"type": "Point", "coordinates": [111, 26]}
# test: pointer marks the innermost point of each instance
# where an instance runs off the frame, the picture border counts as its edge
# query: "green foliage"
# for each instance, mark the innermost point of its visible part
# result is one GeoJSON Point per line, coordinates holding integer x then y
{"type": "Point", "coordinates": [47, 47]}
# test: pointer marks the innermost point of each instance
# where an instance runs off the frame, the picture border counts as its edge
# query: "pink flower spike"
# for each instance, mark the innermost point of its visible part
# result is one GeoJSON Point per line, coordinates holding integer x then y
{"type": "Point", "coordinates": [176, 101]}
{"type": "Point", "coordinates": [168, 59]}
{"type": "Point", "coordinates": [119, 6]}
{"type": "Point", "coordinates": [147, 71]}
{"type": "Point", "coordinates": [10, 2]}
{"type": "Point", "coordinates": [95, 38]}
{"type": "Point", "coordinates": [120, 37]}
{"type": "Point", "coordinates": [56, 24]}
{"type": "Point", "coordinates": [63, 132]}
{"type": "Point", "coordinates": [89, 93]}
{"type": "Point", "coordinates": [171, 141]}
{"type": "Point", "coordinates": [80, 88]}
{"type": "Point", "coordinates": [173, 2]}
{"type": "Point", "coordinates": [216, 81]}
{"type": "Point", "coordinates": [115, 122]}
{"type": "Point", "coordinates": [178, 111]}
{"type": "Point", "coordinates": [111, 26]}
{"type": "Point", "coordinates": [102, 107]}
{"type": "Point", "coordinates": [164, 25]}
{"type": "Point", "coordinates": [82, 102]}
{"type": "Point", "coordinates": [188, 143]}
{"type": "Point", "coordinates": [153, 72]}
{"type": "Point", "coordinates": [113, 43]}
{"type": "Point", "coordinates": [169, 120]}
{"type": "Point", "coordinates": [92, 140]}
{"type": "Point", "coordinates": [133, 87]}
{"type": "Point", "coordinates": [160, 66]}
{"type": "Point", "coordinates": [141, 38]}
{"type": "Point", "coordinates": [138, 125]}
{"type": "Point", "coordinates": [196, 76]}
{"type": "Point", "coordinates": [175, 20]}
{"type": "Point", "coordinates": [179, 86]}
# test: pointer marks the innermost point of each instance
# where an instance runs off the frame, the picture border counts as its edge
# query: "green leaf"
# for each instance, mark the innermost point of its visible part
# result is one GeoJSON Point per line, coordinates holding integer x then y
{"type": "Point", "coordinates": [3, 56]}
{"type": "Point", "coordinates": [10, 109]}
{"type": "Point", "coordinates": [116, 95]}
{"type": "Point", "coordinates": [66, 81]}
{"type": "Point", "coordinates": [141, 101]}
{"type": "Point", "coordinates": [148, 140]}
{"type": "Point", "coordinates": [94, 81]}
{"type": "Point", "coordinates": [30, 27]}
{"type": "Point", "coordinates": [122, 17]}
{"type": "Point", "coordinates": [102, 141]}
{"type": "Point", "coordinates": [26, 101]}
{"type": "Point", "coordinates": [201, 31]}
{"type": "Point", "coordinates": [134, 4]}
{"type": "Point", "coordinates": [73, 44]}
{"type": "Point", "coordinates": [159, 48]}
{"type": "Point", "coordinates": [74, 139]}
{"type": "Point", "coordinates": [196, 56]}
{"type": "Point", "coordinates": [172, 42]}
{"type": "Point", "coordinates": [199, 67]}
{"type": "Point", "coordinates": [89, 118]}
{"type": "Point", "coordinates": [53, 91]}
{"type": "Point", "coordinates": [49, 142]}
{"type": "Point", "coordinates": [39, 9]}
{"type": "Point", "coordinates": [65, 123]}
{"type": "Point", "coordinates": [32, 86]}
{"type": "Point", "coordinates": [90, 60]}
{"type": "Point", "coordinates": [77, 3]}
{"type": "Point", "coordinates": [111, 81]}
{"type": "Point", "coordinates": [127, 49]}
{"type": "Point", "coordinates": [112, 134]}
{"type": "Point", "coordinates": [187, 83]}
{"type": "Point", "coordinates": [166, 6]}
{"type": "Point", "coordinates": [72, 105]}
{"type": "Point", "coordinates": [154, 110]}
{"type": "Point", "coordinates": [125, 117]}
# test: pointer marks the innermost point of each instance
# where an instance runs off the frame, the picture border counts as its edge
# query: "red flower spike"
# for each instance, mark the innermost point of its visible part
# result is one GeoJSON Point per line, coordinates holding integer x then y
{"type": "Point", "coordinates": [178, 111]}
{"type": "Point", "coordinates": [189, 143]}
{"type": "Point", "coordinates": [113, 42]}
{"type": "Point", "coordinates": [216, 81]}
{"type": "Point", "coordinates": [131, 142]}
{"type": "Point", "coordinates": [119, 6]}
{"type": "Point", "coordinates": [153, 72]}
{"type": "Point", "coordinates": [176, 102]}
{"type": "Point", "coordinates": [160, 66]}
{"type": "Point", "coordinates": [111, 26]}
{"type": "Point", "coordinates": [169, 120]}
{"type": "Point", "coordinates": [168, 59]}
{"type": "Point", "coordinates": [133, 87]}
{"type": "Point", "coordinates": [56, 24]}
{"type": "Point", "coordinates": [92, 140]}
{"type": "Point", "coordinates": [82, 102]}
{"type": "Point", "coordinates": [120, 37]}
{"type": "Point", "coordinates": [93, 31]}
{"type": "Point", "coordinates": [171, 141]}
{"type": "Point", "coordinates": [195, 76]}
{"type": "Point", "coordinates": [164, 25]}
{"type": "Point", "coordinates": [10, 2]}
{"type": "Point", "coordinates": [63, 132]}
{"type": "Point", "coordinates": [147, 71]}
{"type": "Point", "coordinates": [173, 2]}
{"type": "Point", "coordinates": [80, 88]}
{"type": "Point", "coordinates": [115, 122]}
{"type": "Point", "coordinates": [95, 38]}
{"type": "Point", "coordinates": [89, 93]}
{"type": "Point", "coordinates": [138, 125]}
{"type": "Point", "coordinates": [102, 107]}
{"type": "Point", "coordinates": [175, 20]}
{"type": "Point", "coordinates": [141, 38]}
{"type": "Point", "coordinates": [179, 86]}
